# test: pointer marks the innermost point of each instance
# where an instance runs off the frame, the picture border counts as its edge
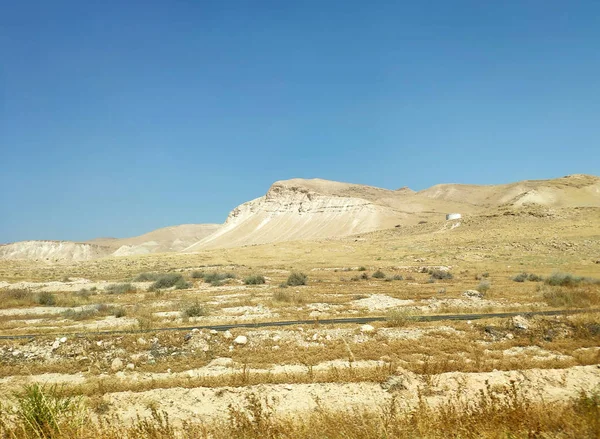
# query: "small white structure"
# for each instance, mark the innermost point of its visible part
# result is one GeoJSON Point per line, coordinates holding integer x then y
{"type": "Point", "coordinates": [453, 216]}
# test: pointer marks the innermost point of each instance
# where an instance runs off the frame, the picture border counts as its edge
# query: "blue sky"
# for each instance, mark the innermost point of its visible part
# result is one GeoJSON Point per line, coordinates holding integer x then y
{"type": "Point", "coordinates": [119, 117]}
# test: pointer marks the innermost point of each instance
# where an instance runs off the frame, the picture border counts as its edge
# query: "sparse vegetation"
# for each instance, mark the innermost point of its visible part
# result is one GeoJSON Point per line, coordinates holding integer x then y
{"type": "Point", "coordinates": [197, 274]}
{"type": "Point", "coordinates": [147, 277]}
{"type": "Point", "coordinates": [379, 275]}
{"type": "Point", "coordinates": [436, 273]}
{"type": "Point", "coordinates": [46, 299]}
{"type": "Point", "coordinates": [119, 288]}
{"type": "Point", "coordinates": [168, 280]}
{"type": "Point", "coordinates": [297, 278]}
{"type": "Point", "coordinates": [567, 280]}
{"type": "Point", "coordinates": [182, 284]}
{"type": "Point", "coordinates": [195, 309]}
{"type": "Point", "coordinates": [398, 317]}
{"type": "Point", "coordinates": [217, 279]}
{"type": "Point", "coordinates": [484, 286]}
{"type": "Point", "coordinates": [361, 268]}
{"type": "Point", "coordinates": [255, 279]}
{"type": "Point", "coordinates": [522, 277]}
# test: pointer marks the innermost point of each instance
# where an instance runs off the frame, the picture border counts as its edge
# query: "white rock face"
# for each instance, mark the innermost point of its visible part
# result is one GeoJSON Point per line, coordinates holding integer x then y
{"type": "Point", "coordinates": [241, 340]}
{"type": "Point", "coordinates": [52, 251]}
{"type": "Point", "coordinates": [302, 209]}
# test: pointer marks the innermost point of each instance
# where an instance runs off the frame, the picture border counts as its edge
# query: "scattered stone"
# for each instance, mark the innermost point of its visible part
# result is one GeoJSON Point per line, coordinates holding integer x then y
{"type": "Point", "coordinates": [227, 335]}
{"type": "Point", "coordinates": [99, 343]}
{"type": "Point", "coordinates": [315, 337]}
{"type": "Point", "coordinates": [63, 339]}
{"type": "Point", "coordinates": [214, 332]}
{"type": "Point", "coordinates": [195, 330]}
{"type": "Point", "coordinates": [520, 322]}
{"type": "Point", "coordinates": [276, 338]}
{"type": "Point", "coordinates": [241, 340]}
{"type": "Point", "coordinates": [55, 345]}
{"type": "Point", "coordinates": [275, 348]}
{"type": "Point", "coordinates": [116, 365]}
{"type": "Point", "coordinates": [130, 366]}
{"type": "Point", "coordinates": [367, 328]}
{"type": "Point", "coordinates": [141, 341]}
{"type": "Point", "coordinates": [187, 337]}
{"type": "Point", "coordinates": [510, 336]}
{"type": "Point", "coordinates": [473, 294]}
{"type": "Point", "coordinates": [288, 387]}
{"type": "Point", "coordinates": [221, 362]}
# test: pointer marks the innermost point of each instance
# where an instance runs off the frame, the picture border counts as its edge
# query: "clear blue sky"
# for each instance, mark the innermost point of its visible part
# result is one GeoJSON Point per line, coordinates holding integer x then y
{"type": "Point", "coordinates": [119, 117]}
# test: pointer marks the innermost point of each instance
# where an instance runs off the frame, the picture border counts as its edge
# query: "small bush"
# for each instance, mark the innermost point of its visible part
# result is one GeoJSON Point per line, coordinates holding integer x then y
{"type": "Point", "coordinates": [296, 279]}
{"type": "Point", "coordinates": [568, 298]}
{"type": "Point", "coordinates": [521, 277]}
{"type": "Point", "coordinates": [364, 276]}
{"type": "Point", "coordinates": [355, 278]}
{"type": "Point", "coordinates": [82, 314]}
{"type": "Point", "coordinates": [283, 285]}
{"type": "Point", "coordinates": [167, 280]}
{"type": "Point", "coordinates": [484, 286]}
{"type": "Point", "coordinates": [146, 277]}
{"type": "Point", "coordinates": [197, 274]}
{"type": "Point", "coordinates": [256, 279]}
{"type": "Point", "coordinates": [362, 268]}
{"type": "Point", "coordinates": [119, 312]}
{"type": "Point", "coordinates": [282, 296]}
{"type": "Point", "coordinates": [398, 317]}
{"type": "Point", "coordinates": [534, 278]}
{"type": "Point", "coordinates": [379, 274]}
{"type": "Point", "coordinates": [46, 299]}
{"type": "Point", "coordinates": [84, 293]}
{"type": "Point", "coordinates": [217, 279]}
{"type": "Point", "coordinates": [119, 288]}
{"type": "Point", "coordinates": [398, 277]}
{"type": "Point", "coordinates": [440, 274]}
{"type": "Point", "coordinates": [563, 280]}
{"type": "Point", "coordinates": [195, 310]}
{"type": "Point", "coordinates": [182, 284]}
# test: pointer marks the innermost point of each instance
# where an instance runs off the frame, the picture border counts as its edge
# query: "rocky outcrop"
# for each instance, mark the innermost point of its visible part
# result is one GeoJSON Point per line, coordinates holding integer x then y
{"type": "Point", "coordinates": [53, 251]}
{"type": "Point", "coordinates": [294, 210]}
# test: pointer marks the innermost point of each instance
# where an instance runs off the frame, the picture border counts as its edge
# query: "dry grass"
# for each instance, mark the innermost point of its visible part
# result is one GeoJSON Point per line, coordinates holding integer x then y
{"type": "Point", "coordinates": [496, 413]}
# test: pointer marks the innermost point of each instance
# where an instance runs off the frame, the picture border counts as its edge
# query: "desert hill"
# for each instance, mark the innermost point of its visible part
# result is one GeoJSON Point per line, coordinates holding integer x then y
{"type": "Point", "coordinates": [166, 239]}
{"type": "Point", "coordinates": [571, 191]}
{"type": "Point", "coordinates": [300, 209]}
{"type": "Point", "coordinates": [315, 209]}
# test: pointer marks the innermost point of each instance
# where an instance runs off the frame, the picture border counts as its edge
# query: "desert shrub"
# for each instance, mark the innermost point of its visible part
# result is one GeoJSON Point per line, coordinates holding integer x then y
{"type": "Point", "coordinates": [483, 286]}
{"type": "Point", "coordinates": [182, 284]}
{"type": "Point", "coordinates": [296, 279]}
{"type": "Point", "coordinates": [119, 288]}
{"type": "Point", "coordinates": [361, 268]}
{"type": "Point", "coordinates": [398, 317]}
{"type": "Point", "coordinates": [84, 293]}
{"type": "Point", "coordinates": [46, 299]}
{"type": "Point", "coordinates": [563, 280]}
{"type": "Point", "coordinates": [379, 274]}
{"type": "Point", "coordinates": [147, 277]}
{"type": "Point", "coordinates": [364, 276]}
{"type": "Point", "coordinates": [167, 280]}
{"type": "Point", "coordinates": [561, 297]}
{"type": "Point", "coordinates": [195, 310]}
{"type": "Point", "coordinates": [197, 274]}
{"type": "Point", "coordinates": [431, 280]}
{"type": "Point", "coordinates": [81, 314]}
{"type": "Point", "coordinates": [410, 277]}
{"type": "Point", "coordinates": [217, 279]}
{"type": "Point", "coordinates": [521, 277]}
{"type": "Point", "coordinates": [288, 297]}
{"type": "Point", "coordinates": [119, 312]}
{"type": "Point", "coordinates": [440, 274]}
{"type": "Point", "coordinates": [398, 277]}
{"type": "Point", "coordinates": [534, 278]}
{"type": "Point", "coordinates": [256, 279]}
{"type": "Point", "coordinates": [355, 278]}
{"type": "Point", "coordinates": [283, 285]}
{"type": "Point", "coordinates": [282, 296]}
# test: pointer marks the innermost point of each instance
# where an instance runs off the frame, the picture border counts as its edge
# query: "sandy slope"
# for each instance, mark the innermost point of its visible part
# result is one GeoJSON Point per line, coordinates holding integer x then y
{"type": "Point", "coordinates": [315, 209]}
{"type": "Point", "coordinates": [52, 251]}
